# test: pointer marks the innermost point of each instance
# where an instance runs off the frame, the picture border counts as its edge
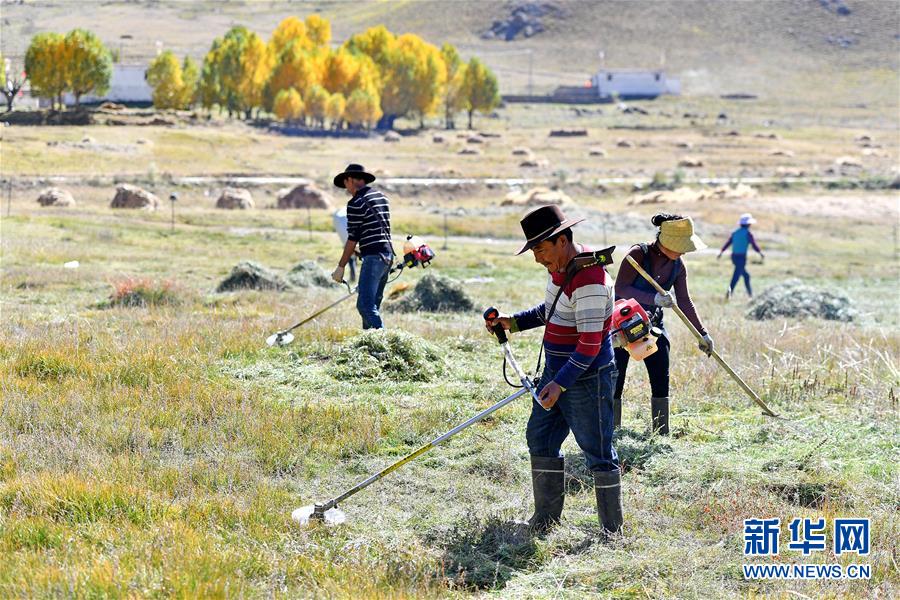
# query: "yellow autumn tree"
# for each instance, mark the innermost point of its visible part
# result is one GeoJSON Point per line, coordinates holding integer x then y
{"type": "Point", "coordinates": [453, 100]}
{"type": "Point", "coordinates": [480, 89]}
{"type": "Point", "coordinates": [46, 62]}
{"type": "Point", "coordinates": [256, 68]}
{"type": "Point", "coordinates": [339, 71]}
{"type": "Point", "coordinates": [190, 76]}
{"type": "Point", "coordinates": [362, 110]}
{"type": "Point", "coordinates": [316, 103]}
{"type": "Point", "coordinates": [165, 77]}
{"type": "Point", "coordinates": [288, 105]}
{"type": "Point", "coordinates": [89, 64]}
{"type": "Point", "coordinates": [296, 69]}
{"type": "Point", "coordinates": [334, 109]}
{"type": "Point", "coordinates": [318, 30]}
{"type": "Point", "coordinates": [429, 76]}
{"type": "Point", "coordinates": [290, 31]}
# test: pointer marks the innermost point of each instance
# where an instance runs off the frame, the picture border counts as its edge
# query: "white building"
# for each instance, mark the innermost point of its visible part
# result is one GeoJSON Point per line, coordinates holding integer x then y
{"type": "Point", "coordinates": [633, 84]}
{"type": "Point", "coordinates": [127, 84]}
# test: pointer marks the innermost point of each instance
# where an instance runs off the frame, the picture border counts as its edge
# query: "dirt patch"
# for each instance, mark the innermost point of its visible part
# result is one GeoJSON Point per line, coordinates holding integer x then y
{"type": "Point", "coordinates": [795, 299]}
{"type": "Point", "coordinates": [435, 293]}
{"type": "Point", "coordinates": [248, 275]}
{"type": "Point", "coordinates": [391, 355]}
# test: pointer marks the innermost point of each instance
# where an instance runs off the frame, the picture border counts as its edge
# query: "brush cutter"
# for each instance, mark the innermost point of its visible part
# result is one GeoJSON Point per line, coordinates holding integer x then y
{"type": "Point", "coordinates": [328, 512]}
{"type": "Point", "coordinates": [415, 253]}
{"type": "Point", "coordinates": [631, 329]}
{"type": "Point", "coordinates": [766, 410]}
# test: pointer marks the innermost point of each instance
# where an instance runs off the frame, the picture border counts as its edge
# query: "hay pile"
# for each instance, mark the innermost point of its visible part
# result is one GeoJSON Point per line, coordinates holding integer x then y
{"type": "Point", "coordinates": [795, 299]}
{"type": "Point", "coordinates": [253, 276]}
{"type": "Point", "coordinates": [434, 293]}
{"type": "Point", "coordinates": [538, 196]}
{"type": "Point", "coordinates": [685, 194]}
{"type": "Point", "coordinates": [309, 274]}
{"type": "Point", "coordinates": [391, 355]}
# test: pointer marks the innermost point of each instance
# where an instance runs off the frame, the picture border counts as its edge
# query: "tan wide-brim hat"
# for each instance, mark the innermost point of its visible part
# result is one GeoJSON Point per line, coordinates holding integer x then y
{"type": "Point", "coordinates": [679, 236]}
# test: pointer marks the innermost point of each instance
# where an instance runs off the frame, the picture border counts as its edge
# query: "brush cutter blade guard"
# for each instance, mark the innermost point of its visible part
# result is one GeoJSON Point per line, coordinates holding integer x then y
{"type": "Point", "coordinates": [282, 338]}
{"type": "Point", "coordinates": [308, 514]}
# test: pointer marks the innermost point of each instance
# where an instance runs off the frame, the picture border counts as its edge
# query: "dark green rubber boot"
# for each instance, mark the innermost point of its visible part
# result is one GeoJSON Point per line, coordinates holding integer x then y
{"type": "Point", "coordinates": [608, 488]}
{"type": "Point", "coordinates": [548, 478]}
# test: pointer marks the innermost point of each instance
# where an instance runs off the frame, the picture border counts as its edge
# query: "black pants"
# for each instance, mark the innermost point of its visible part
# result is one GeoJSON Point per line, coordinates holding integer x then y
{"type": "Point", "coordinates": [657, 368]}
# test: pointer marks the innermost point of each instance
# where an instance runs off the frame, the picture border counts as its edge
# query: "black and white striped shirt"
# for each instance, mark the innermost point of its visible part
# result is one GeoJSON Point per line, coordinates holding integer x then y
{"type": "Point", "coordinates": [369, 222]}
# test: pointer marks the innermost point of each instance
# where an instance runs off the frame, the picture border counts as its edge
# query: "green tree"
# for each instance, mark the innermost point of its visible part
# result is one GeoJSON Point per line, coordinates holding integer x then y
{"type": "Point", "coordinates": [165, 77]}
{"type": "Point", "coordinates": [89, 64]}
{"type": "Point", "coordinates": [46, 63]}
{"type": "Point", "coordinates": [480, 89]}
{"type": "Point", "coordinates": [288, 105]}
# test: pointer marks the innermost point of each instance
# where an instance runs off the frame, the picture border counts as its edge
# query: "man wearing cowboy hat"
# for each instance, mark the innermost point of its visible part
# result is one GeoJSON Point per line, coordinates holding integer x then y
{"type": "Point", "coordinates": [369, 233]}
{"type": "Point", "coordinates": [577, 382]}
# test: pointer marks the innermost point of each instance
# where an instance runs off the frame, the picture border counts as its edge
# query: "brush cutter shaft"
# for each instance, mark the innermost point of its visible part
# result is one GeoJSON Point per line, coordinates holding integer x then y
{"type": "Point", "coordinates": [766, 410]}
{"type": "Point", "coordinates": [409, 457]}
{"type": "Point", "coordinates": [320, 311]}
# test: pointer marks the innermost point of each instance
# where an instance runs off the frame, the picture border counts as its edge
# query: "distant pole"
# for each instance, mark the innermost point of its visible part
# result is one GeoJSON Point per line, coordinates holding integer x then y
{"type": "Point", "coordinates": [445, 232]}
{"type": "Point", "coordinates": [173, 197]}
{"type": "Point", "coordinates": [9, 197]}
{"type": "Point", "coordinates": [309, 222]}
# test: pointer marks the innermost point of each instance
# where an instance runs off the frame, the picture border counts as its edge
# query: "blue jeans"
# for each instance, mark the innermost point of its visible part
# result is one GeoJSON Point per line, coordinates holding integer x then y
{"type": "Point", "coordinates": [373, 275]}
{"type": "Point", "coordinates": [585, 409]}
{"type": "Point", "coordinates": [740, 269]}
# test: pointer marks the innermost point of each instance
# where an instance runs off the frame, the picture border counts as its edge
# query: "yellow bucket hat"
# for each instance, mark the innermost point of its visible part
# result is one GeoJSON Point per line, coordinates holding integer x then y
{"type": "Point", "coordinates": [679, 236]}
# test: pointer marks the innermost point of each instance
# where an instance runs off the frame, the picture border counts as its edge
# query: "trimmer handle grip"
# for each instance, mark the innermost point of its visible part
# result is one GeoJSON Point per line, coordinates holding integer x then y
{"type": "Point", "coordinates": [491, 314]}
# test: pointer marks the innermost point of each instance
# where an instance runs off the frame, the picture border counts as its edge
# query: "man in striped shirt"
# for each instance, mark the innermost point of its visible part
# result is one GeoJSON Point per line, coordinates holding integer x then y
{"type": "Point", "coordinates": [576, 386]}
{"type": "Point", "coordinates": [369, 234]}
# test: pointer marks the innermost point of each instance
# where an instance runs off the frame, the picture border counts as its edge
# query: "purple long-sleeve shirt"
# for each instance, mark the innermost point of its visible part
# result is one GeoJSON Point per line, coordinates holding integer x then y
{"type": "Point", "coordinates": [661, 269]}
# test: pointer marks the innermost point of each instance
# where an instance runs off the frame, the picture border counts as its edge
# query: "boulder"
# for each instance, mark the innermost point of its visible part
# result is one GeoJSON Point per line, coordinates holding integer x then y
{"type": "Point", "coordinates": [392, 136]}
{"type": "Point", "coordinates": [474, 139]}
{"type": "Point", "coordinates": [521, 151]}
{"type": "Point", "coordinates": [438, 138]}
{"type": "Point", "coordinates": [56, 197]}
{"type": "Point", "coordinates": [781, 153]}
{"type": "Point", "coordinates": [470, 151]}
{"type": "Point", "coordinates": [625, 144]}
{"type": "Point", "coordinates": [596, 151]}
{"type": "Point", "coordinates": [235, 199]}
{"type": "Point", "coordinates": [686, 145]}
{"type": "Point", "coordinates": [131, 196]}
{"type": "Point", "coordinates": [305, 195]}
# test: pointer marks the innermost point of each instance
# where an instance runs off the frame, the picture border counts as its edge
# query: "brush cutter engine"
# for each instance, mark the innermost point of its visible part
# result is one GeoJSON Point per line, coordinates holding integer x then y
{"type": "Point", "coordinates": [631, 329]}
{"type": "Point", "coordinates": [416, 252]}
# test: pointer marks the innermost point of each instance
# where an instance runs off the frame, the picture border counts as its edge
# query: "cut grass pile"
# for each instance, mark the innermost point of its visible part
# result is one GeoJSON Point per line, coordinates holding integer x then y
{"type": "Point", "coordinates": [435, 293]}
{"type": "Point", "coordinates": [795, 299]}
{"type": "Point", "coordinates": [391, 355]}
{"type": "Point", "coordinates": [249, 275]}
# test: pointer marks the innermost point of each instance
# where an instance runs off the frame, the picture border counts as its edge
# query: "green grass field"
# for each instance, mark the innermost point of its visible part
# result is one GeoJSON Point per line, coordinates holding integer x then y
{"type": "Point", "coordinates": [158, 452]}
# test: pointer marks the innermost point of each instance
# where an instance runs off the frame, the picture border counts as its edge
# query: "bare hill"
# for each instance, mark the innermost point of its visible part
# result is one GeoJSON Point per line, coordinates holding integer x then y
{"type": "Point", "coordinates": [819, 49]}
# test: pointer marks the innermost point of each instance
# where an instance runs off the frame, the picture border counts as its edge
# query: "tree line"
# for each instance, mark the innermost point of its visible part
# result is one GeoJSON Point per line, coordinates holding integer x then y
{"type": "Point", "coordinates": [372, 79]}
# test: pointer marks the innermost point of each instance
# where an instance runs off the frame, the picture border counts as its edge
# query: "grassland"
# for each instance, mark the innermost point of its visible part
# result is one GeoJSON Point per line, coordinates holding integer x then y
{"type": "Point", "coordinates": [159, 451]}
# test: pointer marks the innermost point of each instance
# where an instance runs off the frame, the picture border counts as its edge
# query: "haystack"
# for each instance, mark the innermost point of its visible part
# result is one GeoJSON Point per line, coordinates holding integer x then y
{"type": "Point", "coordinates": [795, 299]}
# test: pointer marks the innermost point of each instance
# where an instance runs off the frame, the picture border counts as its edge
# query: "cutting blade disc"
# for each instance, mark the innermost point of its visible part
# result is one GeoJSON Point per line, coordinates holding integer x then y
{"type": "Point", "coordinates": [333, 516]}
{"type": "Point", "coordinates": [282, 338]}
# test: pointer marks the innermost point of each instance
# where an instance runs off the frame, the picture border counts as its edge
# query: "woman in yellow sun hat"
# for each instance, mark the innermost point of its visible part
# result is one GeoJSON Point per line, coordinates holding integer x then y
{"type": "Point", "coordinates": [662, 260]}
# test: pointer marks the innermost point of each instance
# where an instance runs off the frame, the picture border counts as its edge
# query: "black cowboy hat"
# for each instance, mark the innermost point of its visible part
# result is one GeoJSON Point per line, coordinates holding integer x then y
{"type": "Point", "coordinates": [353, 170]}
{"type": "Point", "coordinates": [542, 223]}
